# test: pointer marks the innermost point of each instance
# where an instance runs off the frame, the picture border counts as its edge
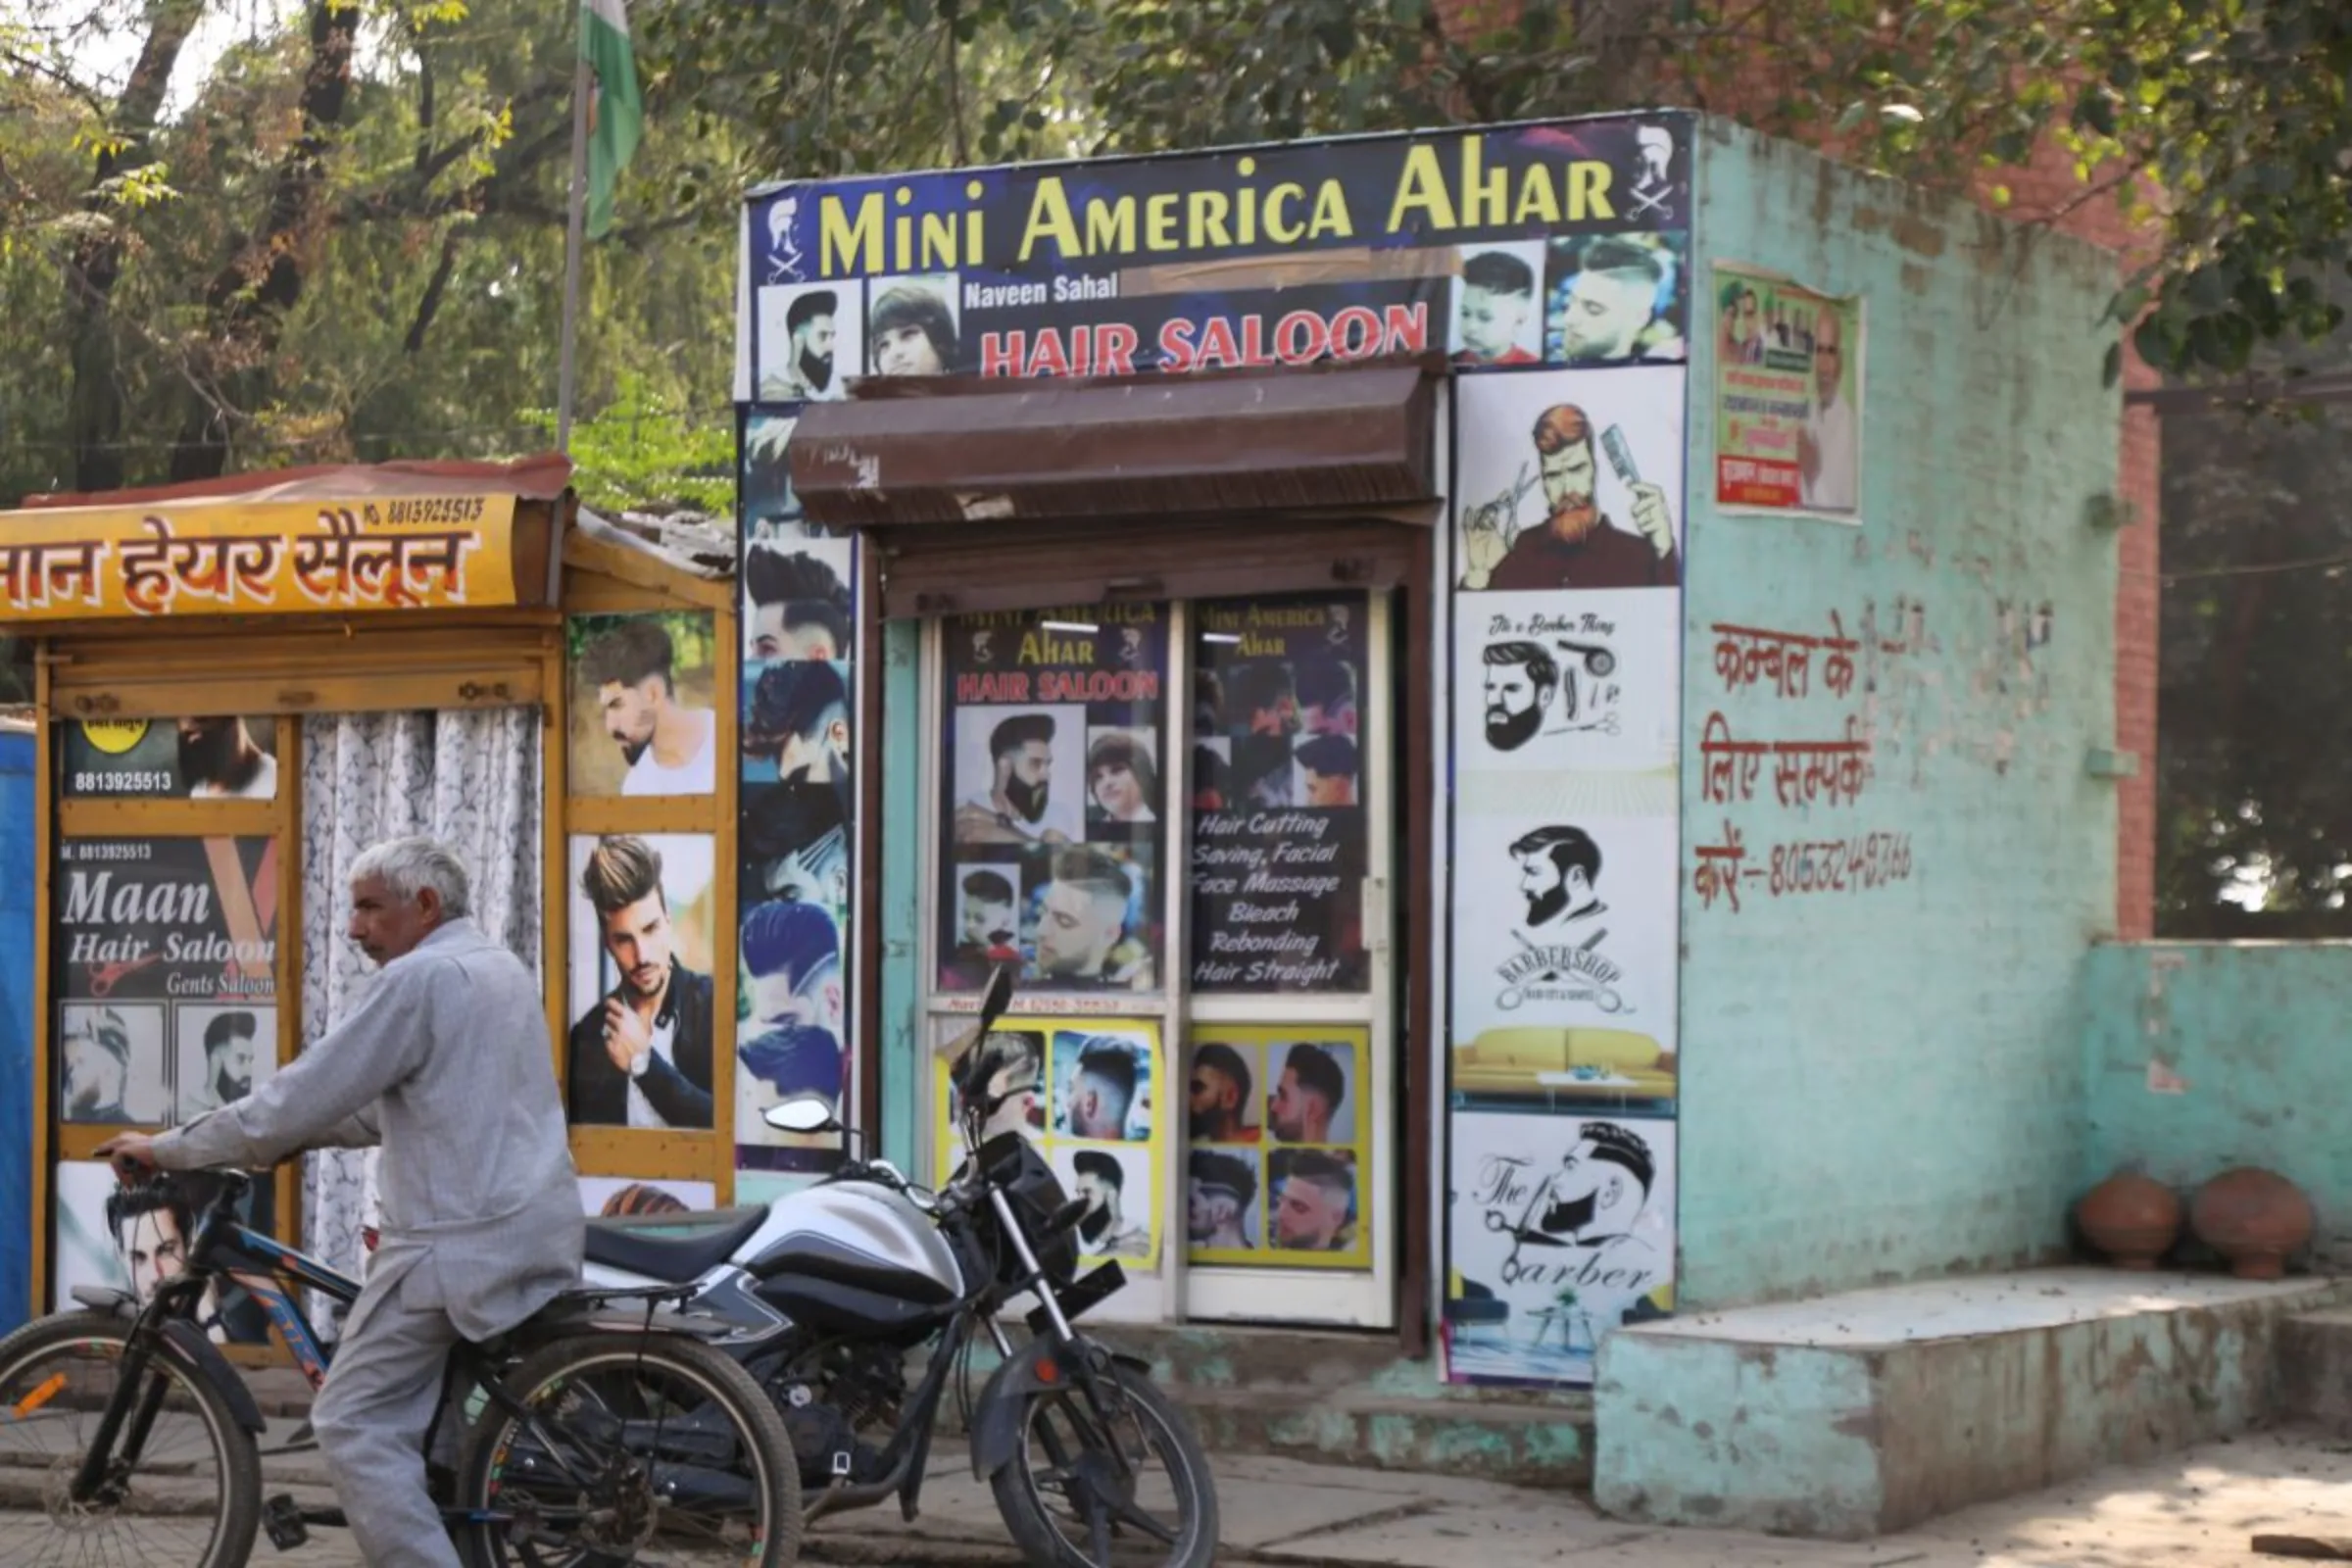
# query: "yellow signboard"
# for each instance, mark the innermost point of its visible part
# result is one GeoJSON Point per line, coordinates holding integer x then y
{"type": "Point", "coordinates": [273, 557]}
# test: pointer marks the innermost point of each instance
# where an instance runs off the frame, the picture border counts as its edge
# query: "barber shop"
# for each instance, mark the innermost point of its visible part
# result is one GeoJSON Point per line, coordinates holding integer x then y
{"type": "Point", "coordinates": [1267, 576]}
{"type": "Point", "coordinates": [244, 685]}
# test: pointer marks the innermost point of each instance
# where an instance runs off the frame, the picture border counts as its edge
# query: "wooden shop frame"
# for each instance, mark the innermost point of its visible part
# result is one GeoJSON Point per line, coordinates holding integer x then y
{"type": "Point", "coordinates": [287, 667]}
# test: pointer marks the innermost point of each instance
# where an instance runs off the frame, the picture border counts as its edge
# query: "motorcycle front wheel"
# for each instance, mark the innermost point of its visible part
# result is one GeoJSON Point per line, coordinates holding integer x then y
{"type": "Point", "coordinates": [1128, 1481]}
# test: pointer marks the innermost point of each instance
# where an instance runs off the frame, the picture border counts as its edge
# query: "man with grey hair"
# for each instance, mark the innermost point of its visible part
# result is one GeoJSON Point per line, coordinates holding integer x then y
{"type": "Point", "coordinates": [446, 1064]}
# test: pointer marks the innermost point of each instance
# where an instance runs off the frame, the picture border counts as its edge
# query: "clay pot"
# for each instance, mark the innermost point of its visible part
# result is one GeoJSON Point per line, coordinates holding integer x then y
{"type": "Point", "coordinates": [2255, 1218]}
{"type": "Point", "coordinates": [2134, 1220]}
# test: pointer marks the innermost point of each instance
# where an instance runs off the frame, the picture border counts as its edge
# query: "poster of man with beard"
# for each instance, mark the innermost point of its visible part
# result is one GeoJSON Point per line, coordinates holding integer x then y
{"type": "Point", "coordinates": [810, 341]}
{"type": "Point", "coordinates": [1571, 479]}
{"type": "Point", "coordinates": [1054, 813]}
{"type": "Point", "coordinates": [1561, 1230]}
{"type": "Point", "coordinates": [1568, 681]}
{"type": "Point", "coordinates": [217, 757]}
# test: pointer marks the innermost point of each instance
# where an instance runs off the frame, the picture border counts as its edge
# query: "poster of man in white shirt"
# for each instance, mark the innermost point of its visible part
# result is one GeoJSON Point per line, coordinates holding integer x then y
{"type": "Point", "coordinates": [1830, 448]}
{"type": "Point", "coordinates": [641, 703]}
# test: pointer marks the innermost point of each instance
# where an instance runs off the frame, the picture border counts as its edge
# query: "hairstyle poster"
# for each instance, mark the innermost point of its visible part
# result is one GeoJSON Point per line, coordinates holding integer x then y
{"type": "Point", "coordinates": [220, 758]}
{"type": "Point", "coordinates": [639, 989]}
{"type": "Point", "coordinates": [167, 990]}
{"type": "Point", "coordinates": [625, 1197]}
{"type": "Point", "coordinates": [1278, 1160]}
{"type": "Point", "coordinates": [643, 719]}
{"type": "Point", "coordinates": [1279, 822]}
{"type": "Point", "coordinates": [1053, 831]}
{"type": "Point", "coordinates": [134, 1237]}
{"type": "Point", "coordinates": [1085, 1093]}
{"type": "Point", "coordinates": [1568, 682]}
{"type": "Point", "coordinates": [1569, 479]}
{"type": "Point", "coordinates": [1561, 1228]}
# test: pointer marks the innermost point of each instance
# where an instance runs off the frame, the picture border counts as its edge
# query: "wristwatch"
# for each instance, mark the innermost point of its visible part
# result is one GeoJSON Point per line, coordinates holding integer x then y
{"type": "Point", "coordinates": [638, 1063]}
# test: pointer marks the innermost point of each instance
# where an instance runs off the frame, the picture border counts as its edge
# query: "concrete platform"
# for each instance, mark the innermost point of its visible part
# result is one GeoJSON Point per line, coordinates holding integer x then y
{"type": "Point", "coordinates": [1856, 1415]}
{"type": "Point", "coordinates": [1353, 1399]}
{"type": "Point", "coordinates": [2315, 1369]}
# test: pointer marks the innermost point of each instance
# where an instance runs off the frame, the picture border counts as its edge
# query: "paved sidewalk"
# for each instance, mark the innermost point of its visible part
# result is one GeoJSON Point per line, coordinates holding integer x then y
{"type": "Point", "coordinates": [2187, 1510]}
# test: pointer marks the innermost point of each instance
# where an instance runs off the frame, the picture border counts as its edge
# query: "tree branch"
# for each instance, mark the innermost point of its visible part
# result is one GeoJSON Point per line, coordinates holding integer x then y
{"type": "Point", "coordinates": [436, 288]}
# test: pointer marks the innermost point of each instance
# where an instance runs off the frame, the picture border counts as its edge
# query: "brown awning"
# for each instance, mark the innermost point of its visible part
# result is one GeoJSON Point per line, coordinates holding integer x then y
{"type": "Point", "coordinates": [966, 450]}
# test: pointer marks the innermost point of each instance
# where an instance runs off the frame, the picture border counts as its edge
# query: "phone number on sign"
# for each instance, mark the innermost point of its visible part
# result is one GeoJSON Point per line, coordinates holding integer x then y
{"type": "Point", "coordinates": [136, 782]}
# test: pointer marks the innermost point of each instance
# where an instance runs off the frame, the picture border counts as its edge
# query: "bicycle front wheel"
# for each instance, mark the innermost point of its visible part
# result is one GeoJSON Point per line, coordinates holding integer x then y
{"type": "Point", "coordinates": [191, 1495]}
{"type": "Point", "coordinates": [634, 1446]}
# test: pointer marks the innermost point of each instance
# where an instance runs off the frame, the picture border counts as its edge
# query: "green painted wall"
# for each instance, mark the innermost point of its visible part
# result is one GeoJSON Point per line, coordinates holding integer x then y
{"type": "Point", "coordinates": [902, 875]}
{"type": "Point", "coordinates": [2197, 1057]}
{"type": "Point", "coordinates": [1883, 1083]}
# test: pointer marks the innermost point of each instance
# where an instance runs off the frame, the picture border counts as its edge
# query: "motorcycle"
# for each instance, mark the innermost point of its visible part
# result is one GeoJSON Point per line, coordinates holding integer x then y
{"type": "Point", "coordinates": [825, 1295]}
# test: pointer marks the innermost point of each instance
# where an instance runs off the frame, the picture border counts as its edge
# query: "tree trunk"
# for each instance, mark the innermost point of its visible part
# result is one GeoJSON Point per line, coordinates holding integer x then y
{"type": "Point", "coordinates": [95, 411]}
{"type": "Point", "coordinates": [247, 303]}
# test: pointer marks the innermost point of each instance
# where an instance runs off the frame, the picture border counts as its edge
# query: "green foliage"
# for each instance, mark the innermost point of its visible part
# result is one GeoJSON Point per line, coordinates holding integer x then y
{"type": "Point", "coordinates": [645, 444]}
{"type": "Point", "coordinates": [2221, 123]}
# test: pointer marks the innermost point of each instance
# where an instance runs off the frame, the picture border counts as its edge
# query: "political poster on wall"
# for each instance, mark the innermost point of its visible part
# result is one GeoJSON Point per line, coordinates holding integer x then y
{"type": "Point", "coordinates": [167, 991]}
{"type": "Point", "coordinates": [1788, 396]}
{"type": "Point", "coordinates": [1279, 819]}
{"type": "Point", "coordinates": [1054, 731]}
{"type": "Point", "coordinates": [1563, 1229]}
{"type": "Point", "coordinates": [216, 758]}
{"type": "Point", "coordinates": [1560, 244]}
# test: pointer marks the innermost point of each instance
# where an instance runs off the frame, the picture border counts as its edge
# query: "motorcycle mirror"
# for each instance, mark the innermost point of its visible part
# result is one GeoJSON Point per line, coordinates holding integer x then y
{"type": "Point", "coordinates": [802, 1113]}
{"type": "Point", "coordinates": [997, 998]}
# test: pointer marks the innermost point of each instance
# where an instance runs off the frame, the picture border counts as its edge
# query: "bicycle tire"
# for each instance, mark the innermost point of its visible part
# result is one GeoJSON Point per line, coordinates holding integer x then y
{"type": "Point", "coordinates": [748, 1404]}
{"type": "Point", "coordinates": [239, 1516]}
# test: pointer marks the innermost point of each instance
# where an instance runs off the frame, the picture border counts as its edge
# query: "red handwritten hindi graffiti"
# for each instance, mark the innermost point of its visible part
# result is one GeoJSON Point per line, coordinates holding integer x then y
{"type": "Point", "coordinates": [1854, 863]}
{"type": "Point", "coordinates": [1802, 772]}
{"type": "Point", "coordinates": [1751, 656]}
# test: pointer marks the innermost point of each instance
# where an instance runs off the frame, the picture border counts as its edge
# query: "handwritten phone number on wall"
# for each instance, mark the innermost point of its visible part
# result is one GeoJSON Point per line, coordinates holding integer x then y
{"type": "Point", "coordinates": [134, 781]}
{"type": "Point", "coordinates": [1855, 863]}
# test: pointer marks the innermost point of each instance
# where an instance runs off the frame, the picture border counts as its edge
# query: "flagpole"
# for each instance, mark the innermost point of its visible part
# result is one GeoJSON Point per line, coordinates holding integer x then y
{"type": "Point", "coordinates": [574, 244]}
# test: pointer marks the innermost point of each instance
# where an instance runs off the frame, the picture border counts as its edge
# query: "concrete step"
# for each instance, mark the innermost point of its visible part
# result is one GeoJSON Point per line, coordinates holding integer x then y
{"type": "Point", "coordinates": [2315, 1369]}
{"type": "Point", "coordinates": [1861, 1415]}
{"type": "Point", "coordinates": [1355, 1399]}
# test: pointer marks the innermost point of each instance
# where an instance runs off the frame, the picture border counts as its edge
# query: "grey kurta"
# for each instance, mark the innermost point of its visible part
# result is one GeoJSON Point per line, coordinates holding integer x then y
{"type": "Point", "coordinates": [445, 1063]}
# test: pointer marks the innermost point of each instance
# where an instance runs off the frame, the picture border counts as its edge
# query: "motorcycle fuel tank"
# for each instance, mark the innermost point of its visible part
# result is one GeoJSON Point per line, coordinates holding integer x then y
{"type": "Point", "coordinates": [850, 1255]}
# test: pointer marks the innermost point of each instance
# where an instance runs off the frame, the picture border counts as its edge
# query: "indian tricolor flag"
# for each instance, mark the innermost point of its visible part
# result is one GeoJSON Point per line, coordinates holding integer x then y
{"type": "Point", "coordinates": [616, 114]}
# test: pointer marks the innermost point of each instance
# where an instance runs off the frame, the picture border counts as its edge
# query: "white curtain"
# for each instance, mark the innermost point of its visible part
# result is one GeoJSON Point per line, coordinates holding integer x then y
{"type": "Point", "coordinates": [470, 778]}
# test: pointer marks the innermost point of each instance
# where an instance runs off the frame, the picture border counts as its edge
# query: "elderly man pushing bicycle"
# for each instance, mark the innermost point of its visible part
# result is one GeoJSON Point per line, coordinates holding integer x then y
{"type": "Point", "coordinates": [446, 1064]}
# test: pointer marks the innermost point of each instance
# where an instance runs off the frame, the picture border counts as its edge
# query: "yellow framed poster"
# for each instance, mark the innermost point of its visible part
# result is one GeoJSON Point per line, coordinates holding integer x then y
{"type": "Point", "coordinates": [1084, 1092]}
{"type": "Point", "coordinates": [1278, 1155]}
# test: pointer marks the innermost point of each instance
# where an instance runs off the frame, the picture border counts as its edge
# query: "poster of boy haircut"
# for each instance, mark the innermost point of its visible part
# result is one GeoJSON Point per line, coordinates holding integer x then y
{"type": "Point", "coordinates": [642, 703]}
{"type": "Point", "coordinates": [641, 991]}
{"type": "Point", "coordinates": [796, 600]}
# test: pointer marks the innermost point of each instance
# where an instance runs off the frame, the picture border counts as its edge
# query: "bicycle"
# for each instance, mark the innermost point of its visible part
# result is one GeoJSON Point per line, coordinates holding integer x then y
{"type": "Point", "coordinates": [602, 1424]}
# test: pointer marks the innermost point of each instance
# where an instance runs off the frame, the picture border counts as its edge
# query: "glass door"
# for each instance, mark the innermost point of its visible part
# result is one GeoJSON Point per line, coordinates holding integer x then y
{"type": "Point", "coordinates": [1288, 1010]}
{"type": "Point", "coordinates": [1175, 822]}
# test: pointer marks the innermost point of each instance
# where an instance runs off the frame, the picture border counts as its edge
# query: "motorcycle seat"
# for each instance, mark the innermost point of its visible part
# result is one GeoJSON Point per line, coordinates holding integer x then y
{"type": "Point", "coordinates": [662, 1246]}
